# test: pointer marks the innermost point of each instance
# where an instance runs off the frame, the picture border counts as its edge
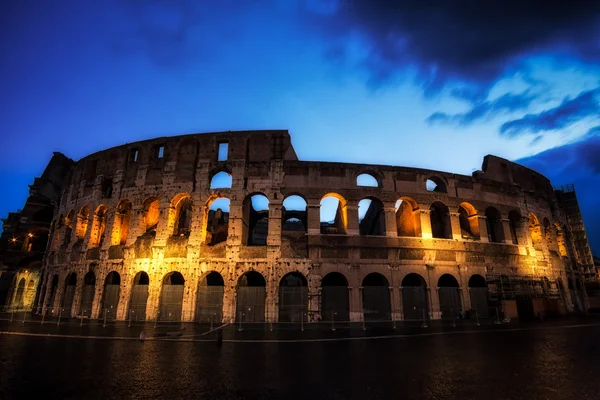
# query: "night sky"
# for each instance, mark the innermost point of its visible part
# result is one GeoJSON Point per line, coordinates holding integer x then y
{"type": "Point", "coordinates": [433, 84]}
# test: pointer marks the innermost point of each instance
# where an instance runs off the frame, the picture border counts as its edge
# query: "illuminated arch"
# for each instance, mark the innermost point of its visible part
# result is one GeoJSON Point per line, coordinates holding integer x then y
{"type": "Point", "coordinates": [333, 214]}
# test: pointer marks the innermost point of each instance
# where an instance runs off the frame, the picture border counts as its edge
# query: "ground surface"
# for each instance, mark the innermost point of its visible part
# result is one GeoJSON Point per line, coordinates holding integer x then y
{"type": "Point", "coordinates": [539, 360]}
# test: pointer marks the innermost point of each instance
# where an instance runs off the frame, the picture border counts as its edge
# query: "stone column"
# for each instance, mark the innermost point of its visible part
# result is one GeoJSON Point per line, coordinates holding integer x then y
{"type": "Point", "coordinates": [424, 217]}
{"type": "Point", "coordinates": [313, 210]}
{"type": "Point", "coordinates": [98, 294]}
{"type": "Point", "coordinates": [390, 222]}
{"type": "Point", "coordinates": [236, 223]}
{"type": "Point", "coordinates": [188, 307]}
{"type": "Point", "coordinates": [483, 231]}
{"type": "Point", "coordinates": [124, 296]}
{"type": "Point", "coordinates": [506, 231]}
{"type": "Point", "coordinates": [354, 296]}
{"type": "Point", "coordinates": [455, 226]}
{"type": "Point", "coordinates": [275, 214]}
{"type": "Point", "coordinates": [314, 296]}
{"type": "Point", "coordinates": [352, 227]}
{"type": "Point", "coordinates": [76, 309]}
{"type": "Point", "coordinates": [434, 298]}
{"type": "Point", "coordinates": [166, 223]}
{"type": "Point", "coordinates": [58, 299]}
{"type": "Point", "coordinates": [396, 299]}
{"type": "Point", "coordinates": [229, 299]}
{"type": "Point", "coordinates": [271, 301]}
{"type": "Point", "coordinates": [152, 303]}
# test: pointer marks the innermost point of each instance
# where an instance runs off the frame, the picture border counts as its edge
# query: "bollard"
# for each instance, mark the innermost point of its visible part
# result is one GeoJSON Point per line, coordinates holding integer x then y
{"type": "Point", "coordinates": [424, 324]}
{"type": "Point", "coordinates": [240, 322]}
{"type": "Point", "coordinates": [477, 317]}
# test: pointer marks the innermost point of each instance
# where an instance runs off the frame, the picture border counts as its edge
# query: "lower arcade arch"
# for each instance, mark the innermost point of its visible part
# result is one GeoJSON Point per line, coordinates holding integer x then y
{"type": "Point", "coordinates": [415, 302]}
{"type": "Point", "coordinates": [449, 296]}
{"type": "Point", "coordinates": [69, 294]}
{"type": "Point", "coordinates": [52, 297]}
{"type": "Point", "coordinates": [209, 302]}
{"type": "Point", "coordinates": [376, 298]}
{"type": "Point", "coordinates": [478, 294]}
{"type": "Point", "coordinates": [20, 295]}
{"type": "Point", "coordinates": [335, 299]}
{"type": "Point", "coordinates": [110, 295]}
{"type": "Point", "coordinates": [87, 294]}
{"type": "Point", "coordinates": [293, 298]}
{"type": "Point", "coordinates": [139, 297]}
{"type": "Point", "coordinates": [251, 296]}
{"type": "Point", "coordinates": [171, 297]}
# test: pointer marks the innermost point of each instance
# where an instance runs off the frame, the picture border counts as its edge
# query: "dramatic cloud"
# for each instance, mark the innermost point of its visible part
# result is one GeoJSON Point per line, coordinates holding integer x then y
{"type": "Point", "coordinates": [470, 41]}
{"type": "Point", "coordinates": [586, 104]}
{"type": "Point", "coordinates": [483, 109]}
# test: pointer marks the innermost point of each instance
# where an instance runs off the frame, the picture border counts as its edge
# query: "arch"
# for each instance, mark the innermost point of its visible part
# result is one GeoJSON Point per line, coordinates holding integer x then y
{"type": "Point", "coordinates": [87, 294]}
{"type": "Point", "coordinates": [69, 293]}
{"type": "Point", "coordinates": [221, 180]}
{"type": "Point", "coordinates": [209, 303]}
{"type": "Point", "coordinates": [98, 226]}
{"type": "Point", "coordinates": [335, 299]}
{"type": "Point", "coordinates": [415, 301]}
{"type": "Point", "coordinates": [408, 219]}
{"type": "Point", "coordinates": [376, 299]}
{"type": "Point", "coordinates": [180, 215]}
{"type": "Point", "coordinates": [121, 224]}
{"type": "Point", "coordinates": [217, 221]}
{"type": "Point", "coordinates": [514, 222]}
{"type": "Point", "coordinates": [560, 241]}
{"type": "Point", "coordinates": [251, 296]}
{"type": "Point", "coordinates": [333, 214]}
{"type": "Point", "coordinates": [294, 214]}
{"type": "Point", "coordinates": [150, 215]}
{"type": "Point", "coordinates": [20, 295]}
{"type": "Point", "coordinates": [478, 293]}
{"type": "Point", "coordinates": [469, 221]}
{"type": "Point", "coordinates": [110, 295]}
{"type": "Point", "coordinates": [256, 220]}
{"type": "Point", "coordinates": [534, 229]}
{"type": "Point", "coordinates": [371, 217]}
{"type": "Point", "coordinates": [138, 299]}
{"type": "Point", "coordinates": [436, 184]}
{"type": "Point", "coordinates": [449, 295]}
{"type": "Point", "coordinates": [494, 225]}
{"type": "Point", "coordinates": [69, 220]}
{"type": "Point", "coordinates": [171, 297]}
{"type": "Point", "coordinates": [367, 180]}
{"type": "Point", "coordinates": [82, 222]}
{"type": "Point", "coordinates": [293, 298]}
{"type": "Point", "coordinates": [440, 221]}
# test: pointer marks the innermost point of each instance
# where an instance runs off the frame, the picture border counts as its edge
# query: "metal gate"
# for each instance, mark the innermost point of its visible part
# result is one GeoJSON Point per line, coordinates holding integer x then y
{"type": "Point", "coordinates": [415, 304]}
{"type": "Point", "coordinates": [293, 303]}
{"type": "Point", "coordinates": [250, 305]}
{"type": "Point", "coordinates": [110, 301]}
{"type": "Point", "coordinates": [335, 304]}
{"type": "Point", "coordinates": [376, 303]}
{"type": "Point", "coordinates": [450, 304]}
{"type": "Point", "coordinates": [479, 301]}
{"type": "Point", "coordinates": [137, 305]}
{"type": "Point", "coordinates": [68, 300]}
{"type": "Point", "coordinates": [87, 300]}
{"type": "Point", "coordinates": [209, 305]}
{"type": "Point", "coordinates": [171, 302]}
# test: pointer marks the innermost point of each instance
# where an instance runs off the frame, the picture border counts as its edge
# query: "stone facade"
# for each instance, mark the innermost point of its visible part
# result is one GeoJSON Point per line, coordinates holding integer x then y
{"type": "Point", "coordinates": [134, 236]}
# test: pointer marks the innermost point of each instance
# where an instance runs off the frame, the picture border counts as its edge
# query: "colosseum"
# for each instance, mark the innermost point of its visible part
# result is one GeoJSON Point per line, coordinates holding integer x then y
{"type": "Point", "coordinates": [232, 226]}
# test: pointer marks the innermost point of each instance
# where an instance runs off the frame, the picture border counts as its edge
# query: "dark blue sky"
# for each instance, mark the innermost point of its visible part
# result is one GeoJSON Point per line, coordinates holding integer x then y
{"type": "Point", "coordinates": [391, 82]}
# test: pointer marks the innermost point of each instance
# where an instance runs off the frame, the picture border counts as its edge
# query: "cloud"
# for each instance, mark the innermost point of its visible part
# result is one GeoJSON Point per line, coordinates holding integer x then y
{"type": "Point", "coordinates": [586, 104]}
{"type": "Point", "coordinates": [506, 103]}
{"type": "Point", "coordinates": [469, 41]}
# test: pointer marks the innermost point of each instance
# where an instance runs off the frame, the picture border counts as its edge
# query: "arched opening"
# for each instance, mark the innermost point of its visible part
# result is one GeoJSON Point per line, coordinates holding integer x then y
{"type": "Point", "coordinates": [435, 184]}
{"type": "Point", "coordinates": [333, 214]}
{"type": "Point", "coordinates": [514, 221]}
{"type": "Point", "coordinates": [69, 220]}
{"type": "Point", "coordinates": [110, 296]}
{"type": "Point", "coordinates": [82, 222]}
{"type": "Point", "coordinates": [150, 215]}
{"type": "Point", "coordinates": [217, 221]}
{"type": "Point", "coordinates": [69, 295]}
{"type": "Point", "coordinates": [171, 297]}
{"type": "Point", "coordinates": [221, 180]}
{"type": "Point", "coordinates": [535, 230]}
{"type": "Point", "coordinates": [335, 301]}
{"type": "Point", "coordinates": [20, 295]}
{"type": "Point", "coordinates": [440, 221]}
{"type": "Point", "coordinates": [121, 224]}
{"type": "Point", "coordinates": [415, 303]}
{"type": "Point", "coordinates": [367, 180]}
{"type": "Point", "coordinates": [209, 304]}
{"type": "Point", "coordinates": [87, 294]}
{"type": "Point", "coordinates": [469, 221]}
{"type": "Point", "coordinates": [449, 294]}
{"type": "Point", "coordinates": [181, 215]}
{"type": "Point", "coordinates": [478, 293]}
{"type": "Point", "coordinates": [255, 220]}
{"type": "Point", "coordinates": [294, 215]}
{"type": "Point", "coordinates": [251, 295]}
{"type": "Point", "coordinates": [376, 298]}
{"type": "Point", "coordinates": [52, 297]}
{"type": "Point", "coordinates": [560, 241]}
{"type": "Point", "coordinates": [408, 220]}
{"type": "Point", "coordinates": [139, 297]}
{"type": "Point", "coordinates": [371, 217]}
{"type": "Point", "coordinates": [494, 225]}
{"type": "Point", "coordinates": [293, 298]}
{"type": "Point", "coordinates": [98, 227]}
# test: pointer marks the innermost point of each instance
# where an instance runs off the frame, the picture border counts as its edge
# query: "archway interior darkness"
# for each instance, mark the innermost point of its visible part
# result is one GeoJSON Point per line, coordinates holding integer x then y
{"type": "Point", "coordinates": [69, 295]}
{"type": "Point", "coordinates": [469, 222]}
{"type": "Point", "coordinates": [335, 304]}
{"type": "Point", "coordinates": [255, 221]}
{"type": "Point", "coordinates": [51, 300]}
{"type": "Point", "coordinates": [110, 296]}
{"type": "Point", "coordinates": [478, 293]}
{"type": "Point", "coordinates": [449, 294]}
{"type": "Point", "coordinates": [217, 223]}
{"type": "Point", "coordinates": [435, 184]}
{"type": "Point", "coordinates": [440, 221]}
{"type": "Point", "coordinates": [139, 297]}
{"type": "Point", "coordinates": [251, 295]}
{"type": "Point", "coordinates": [293, 298]}
{"type": "Point", "coordinates": [20, 295]}
{"type": "Point", "coordinates": [415, 301]}
{"type": "Point", "coordinates": [514, 221]}
{"type": "Point", "coordinates": [376, 298]}
{"type": "Point", "coordinates": [87, 294]}
{"type": "Point", "coordinates": [209, 303]}
{"type": "Point", "coordinates": [371, 217]}
{"type": "Point", "coordinates": [494, 225]}
{"type": "Point", "coordinates": [171, 297]}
